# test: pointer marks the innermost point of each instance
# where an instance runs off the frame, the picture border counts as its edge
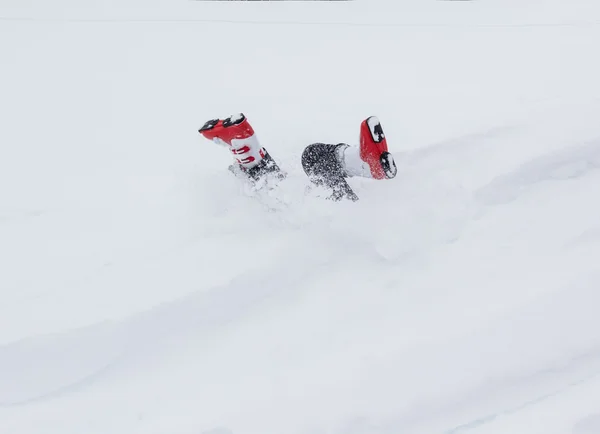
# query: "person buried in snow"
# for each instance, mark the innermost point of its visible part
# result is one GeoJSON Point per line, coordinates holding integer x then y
{"type": "Point", "coordinates": [326, 165]}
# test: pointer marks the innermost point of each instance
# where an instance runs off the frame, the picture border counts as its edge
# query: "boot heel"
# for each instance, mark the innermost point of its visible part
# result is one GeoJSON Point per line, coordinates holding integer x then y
{"type": "Point", "coordinates": [234, 120]}
{"type": "Point", "coordinates": [209, 125]}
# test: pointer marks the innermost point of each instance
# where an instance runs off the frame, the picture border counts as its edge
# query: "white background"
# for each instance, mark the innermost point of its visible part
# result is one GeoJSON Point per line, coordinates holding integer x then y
{"type": "Point", "coordinates": [143, 289]}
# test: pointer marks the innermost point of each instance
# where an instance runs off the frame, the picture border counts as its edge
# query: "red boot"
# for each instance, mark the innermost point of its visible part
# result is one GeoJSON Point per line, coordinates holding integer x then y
{"type": "Point", "coordinates": [374, 149]}
{"type": "Point", "coordinates": [236, 133]}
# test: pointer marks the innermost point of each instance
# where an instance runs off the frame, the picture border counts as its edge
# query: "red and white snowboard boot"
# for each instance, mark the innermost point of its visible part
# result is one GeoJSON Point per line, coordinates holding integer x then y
{"type": "Point", "coordinates": [371, 159]}
{"type": "Point", "coordinates": [374, 149]}
{"type": "Point", "coordinates": [238, 136]}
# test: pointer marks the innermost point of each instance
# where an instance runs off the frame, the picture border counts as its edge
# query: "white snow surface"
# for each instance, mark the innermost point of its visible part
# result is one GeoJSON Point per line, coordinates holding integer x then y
{"type": "Point", "coordinates": [144, 289]}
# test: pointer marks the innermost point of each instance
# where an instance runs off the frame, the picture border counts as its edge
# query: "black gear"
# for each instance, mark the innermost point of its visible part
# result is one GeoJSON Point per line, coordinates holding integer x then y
{"type": "Point", "coordinates": [266, 166]}
{"type": "Point", "coordinates": [321, 164]}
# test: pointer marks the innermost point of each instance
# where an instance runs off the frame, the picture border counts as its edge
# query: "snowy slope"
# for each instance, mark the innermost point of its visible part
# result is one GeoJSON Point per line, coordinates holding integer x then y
{"type": "Point", "coordinates": [144, 290]}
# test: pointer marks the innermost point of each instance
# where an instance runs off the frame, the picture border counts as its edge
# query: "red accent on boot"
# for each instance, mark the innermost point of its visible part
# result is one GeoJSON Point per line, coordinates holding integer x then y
{"type": "Point", "coordinates": [370, 151]}
{"type": "Point", "coordinates": [242, 130]}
